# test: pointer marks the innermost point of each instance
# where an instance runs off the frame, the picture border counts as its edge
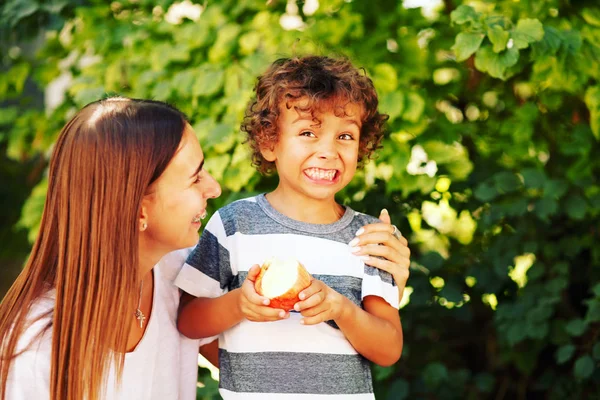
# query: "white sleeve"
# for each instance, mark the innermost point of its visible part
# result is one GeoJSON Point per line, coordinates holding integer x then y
{"type": "Point", "coordinates": [207, 271]}
{"type": "Point", "coordinates": [380, 283]}
{"type": "Point", "coordinates": [29, 372]}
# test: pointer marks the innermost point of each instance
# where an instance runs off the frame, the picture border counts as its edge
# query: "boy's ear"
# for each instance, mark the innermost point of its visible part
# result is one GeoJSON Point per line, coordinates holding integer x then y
{"type": "Point", "coordinates": [268, 152]}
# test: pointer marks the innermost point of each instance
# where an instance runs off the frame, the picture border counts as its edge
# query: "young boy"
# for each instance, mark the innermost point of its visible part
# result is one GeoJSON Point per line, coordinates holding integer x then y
{"type": "Point", "coordinates": [313, 121]}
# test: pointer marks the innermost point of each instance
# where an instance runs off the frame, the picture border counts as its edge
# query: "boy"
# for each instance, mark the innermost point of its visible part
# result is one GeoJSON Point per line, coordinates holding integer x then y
{"type": "Point", "coordinates": [313, 120]}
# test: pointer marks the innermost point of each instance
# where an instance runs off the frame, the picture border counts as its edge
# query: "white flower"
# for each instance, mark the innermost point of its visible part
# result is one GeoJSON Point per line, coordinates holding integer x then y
{"type": "Point", "coordinates": [420, 164]}
{"type": "Point", "coordinates": [185, 9]}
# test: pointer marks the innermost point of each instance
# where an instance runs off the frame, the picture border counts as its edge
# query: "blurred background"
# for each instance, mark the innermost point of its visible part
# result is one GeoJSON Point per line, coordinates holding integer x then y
{"type": "Point", "coordinates": [491, 164]}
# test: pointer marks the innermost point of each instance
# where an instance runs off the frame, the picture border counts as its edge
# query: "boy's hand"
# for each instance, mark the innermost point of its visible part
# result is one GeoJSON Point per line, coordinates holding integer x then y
{"type": "Point", "coordinates": [253, 306]}
{"type": "Point", "coordinates": [320, 303]}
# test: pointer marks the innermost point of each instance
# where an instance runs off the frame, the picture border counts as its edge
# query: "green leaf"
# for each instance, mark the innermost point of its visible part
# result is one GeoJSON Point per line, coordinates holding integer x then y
{"type": "Point", "coordinates": [485, 192]}
{"type": "Point", "coordinates": [564, 353]}
{"type": "Point", "coordinates": [576, 327]}
{"type": "Point", "coordinates": [414, 108]}
{"type": "Point", "coordinates": [485, 382]}
{"type": "Point", "coordinates": [593, 311]}
{"type": "Point", "coordinates": [545, 207]}
{"type": "Point", "coordinates": [495, 64]}
{"type": "Point", "coordinates": [584, 367]}
{"type": "Point", "coordinates": [392, 104]}
{"type": "Point", "coordinates": [591, 16]}
{"type": "Point", "coordinates": [499, 37]}
{"type": "Point", "coordinates": [549, 45]}
{"type": "Point", "coordinates": [576, 207]}
{"type": "Point", "coordinates": [596, 351]}
{"type": "Point", "coordinates": [435, 374]}
{"type": "Point", "coordinates": [592, 101]}
{"type": "Point", "coordinates": [506, 182]}
{"type": "Point", "coordinates": [596, 290]}
{"type": "Point", "coordinates": [399, 390]}
{"type": "Point", "coordinates": [555, 188]}
{"type": "Point", "coordinates": [533, 178]}
{"type": "Point", "coordinates": [385, 78]}
{"type": "Point", "coordinates": [162, 91]}
{"type": "Point", "coordinates": [208, 82]}
{"type": "Point", "coordinates": [466, 44]}
{"type": "Point", "coordinates": [464, 14]}
{"type": "Point", "coordinates": [527, 31]}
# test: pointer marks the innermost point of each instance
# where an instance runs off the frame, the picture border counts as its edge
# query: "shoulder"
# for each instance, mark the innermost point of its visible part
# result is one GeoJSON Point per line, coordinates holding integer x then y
{"type": "Point", "coordinates": [365, 219]}
{"type": "Point", "coordinates": [239, 207]}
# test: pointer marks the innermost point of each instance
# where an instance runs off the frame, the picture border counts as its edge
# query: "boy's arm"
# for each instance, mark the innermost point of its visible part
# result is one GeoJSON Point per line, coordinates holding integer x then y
{"type": "Point", "coordinates": [210, 351]}
{"type": "Point", "coordinates": [375, 332]}
{"type": "Point", "coordinates": [201, 317]}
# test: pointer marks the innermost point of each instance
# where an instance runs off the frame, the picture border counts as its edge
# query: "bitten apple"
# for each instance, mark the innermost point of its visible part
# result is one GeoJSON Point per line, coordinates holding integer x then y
{"type": "Point", "coordinates": [281, 281]}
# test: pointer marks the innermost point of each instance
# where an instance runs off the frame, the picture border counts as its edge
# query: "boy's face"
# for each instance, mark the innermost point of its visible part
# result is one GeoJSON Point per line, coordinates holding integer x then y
{"type": "Point", "coordinates": [317, 152]}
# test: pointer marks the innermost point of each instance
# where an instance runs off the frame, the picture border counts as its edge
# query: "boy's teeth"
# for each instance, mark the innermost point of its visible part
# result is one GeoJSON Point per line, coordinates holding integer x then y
{"type": "Point", "coordinates": [317, 173]}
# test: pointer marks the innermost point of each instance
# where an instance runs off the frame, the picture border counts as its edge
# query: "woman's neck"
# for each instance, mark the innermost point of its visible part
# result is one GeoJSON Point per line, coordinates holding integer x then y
{"type": "Point", "coordinates": [305, 209]}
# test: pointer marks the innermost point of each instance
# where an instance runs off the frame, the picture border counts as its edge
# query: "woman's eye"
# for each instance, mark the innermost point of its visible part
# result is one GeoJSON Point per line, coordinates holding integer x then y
{"type": "Point", "coordinates": [198, 179]}
{"type": "Point", "coordinates": [307, 133]}
{"type": "Point", "coordinates": [346, 136]}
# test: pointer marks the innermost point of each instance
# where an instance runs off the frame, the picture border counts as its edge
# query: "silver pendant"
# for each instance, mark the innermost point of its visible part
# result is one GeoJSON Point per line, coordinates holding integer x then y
{"type": "Point", "coordinates": [139, 315]}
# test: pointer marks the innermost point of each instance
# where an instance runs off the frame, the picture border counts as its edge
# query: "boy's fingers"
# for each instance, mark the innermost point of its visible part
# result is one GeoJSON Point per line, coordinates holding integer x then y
{"type": "Point", "coordinates": [315, 286]}
{"type": "Point", "coordinates": [315, 319]}
{"type": "Point", "coordinates": [250, 294]}
{"type": "Point", "coordinates": [260, 313]}
{"type": "Point", "coordinates": [312, 311]}
{"type": "Point", "coordinates": [253, 272]}
{"type": "Point", "coordinates": [310, 302]}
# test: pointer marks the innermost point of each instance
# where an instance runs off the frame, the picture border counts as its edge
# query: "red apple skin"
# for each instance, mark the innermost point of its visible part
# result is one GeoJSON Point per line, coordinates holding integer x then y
{"type": "Point", "coordinates": [287, 300]}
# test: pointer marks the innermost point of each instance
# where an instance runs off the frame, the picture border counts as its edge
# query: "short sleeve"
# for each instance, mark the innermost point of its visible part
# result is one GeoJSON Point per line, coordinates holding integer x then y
{"type": "Point", "coordinates": [377, 282]}
{"type": "Point", "coordinates": [207, 270]}
{"type": "Point", "coordinates": [29, 372]}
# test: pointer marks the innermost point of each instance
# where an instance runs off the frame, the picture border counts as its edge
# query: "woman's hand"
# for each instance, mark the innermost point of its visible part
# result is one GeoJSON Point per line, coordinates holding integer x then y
{"type": "Point", "coordinates": [384, 240]}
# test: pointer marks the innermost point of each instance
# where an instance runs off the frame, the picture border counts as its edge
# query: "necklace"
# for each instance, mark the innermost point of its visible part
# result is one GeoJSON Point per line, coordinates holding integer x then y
{"type": "Point", "coordinates": [139, 315]}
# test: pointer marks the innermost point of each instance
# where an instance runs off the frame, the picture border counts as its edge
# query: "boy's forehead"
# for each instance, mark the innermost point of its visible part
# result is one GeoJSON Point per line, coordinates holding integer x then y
{"type": "Point", "coordinates": [307, 108]}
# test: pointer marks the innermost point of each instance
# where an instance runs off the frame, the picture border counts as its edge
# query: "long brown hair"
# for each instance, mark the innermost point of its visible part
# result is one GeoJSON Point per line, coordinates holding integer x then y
{"type": "Point", "coordinates": [87, 248]}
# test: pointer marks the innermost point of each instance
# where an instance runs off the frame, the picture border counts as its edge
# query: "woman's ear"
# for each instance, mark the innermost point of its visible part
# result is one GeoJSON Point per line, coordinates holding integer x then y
{"type": "Point", "coordinates": [143, 217]}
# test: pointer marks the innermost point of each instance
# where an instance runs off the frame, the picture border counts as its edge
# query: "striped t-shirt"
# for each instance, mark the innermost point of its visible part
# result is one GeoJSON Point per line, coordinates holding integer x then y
{"type": "Point", "coordinates": [284, 359]}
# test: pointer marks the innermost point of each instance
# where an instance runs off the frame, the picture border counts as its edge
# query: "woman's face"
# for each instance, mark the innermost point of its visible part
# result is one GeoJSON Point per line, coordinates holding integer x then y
{"type": "Point", "coordinates": [176, 202]}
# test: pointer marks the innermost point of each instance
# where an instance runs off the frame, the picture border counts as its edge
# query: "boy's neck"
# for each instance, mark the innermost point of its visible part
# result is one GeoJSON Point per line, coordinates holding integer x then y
{"type": "Point", "coordinates": [305, 209]}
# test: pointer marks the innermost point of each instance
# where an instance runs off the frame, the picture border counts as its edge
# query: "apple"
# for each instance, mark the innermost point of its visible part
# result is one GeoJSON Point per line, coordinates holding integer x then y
{"type": "Point", "coordinates": [281, 281]}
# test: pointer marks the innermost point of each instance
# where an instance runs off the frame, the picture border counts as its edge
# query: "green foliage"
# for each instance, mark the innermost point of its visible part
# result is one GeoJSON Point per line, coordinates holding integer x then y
{"type": "Point", "coordinates": [490, 166]}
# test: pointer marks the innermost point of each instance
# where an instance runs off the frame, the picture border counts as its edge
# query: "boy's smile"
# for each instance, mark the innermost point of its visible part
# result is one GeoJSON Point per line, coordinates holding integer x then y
{"type": "Point", "coordinates": [322, 176]}
{"type": "Point", "coordinates": [317, 152]}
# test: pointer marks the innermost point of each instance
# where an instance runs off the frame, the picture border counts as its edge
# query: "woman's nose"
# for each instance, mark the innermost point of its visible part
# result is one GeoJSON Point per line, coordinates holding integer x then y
{"type": "Point", "coordinates": [213, 189]}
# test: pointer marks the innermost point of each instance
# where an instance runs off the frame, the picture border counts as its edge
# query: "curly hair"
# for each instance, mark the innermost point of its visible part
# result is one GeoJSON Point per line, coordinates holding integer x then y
{"type": "Point", "coordinates": [323, 82]}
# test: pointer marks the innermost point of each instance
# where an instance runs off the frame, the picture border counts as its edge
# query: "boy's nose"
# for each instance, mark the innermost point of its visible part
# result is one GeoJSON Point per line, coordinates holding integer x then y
{"type": "Point", "coordinates": [327, 150]}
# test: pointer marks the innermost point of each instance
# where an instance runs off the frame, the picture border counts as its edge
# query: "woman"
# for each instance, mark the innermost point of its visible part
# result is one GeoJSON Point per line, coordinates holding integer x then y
{"type": "Point", "coordinates": [93, 314]}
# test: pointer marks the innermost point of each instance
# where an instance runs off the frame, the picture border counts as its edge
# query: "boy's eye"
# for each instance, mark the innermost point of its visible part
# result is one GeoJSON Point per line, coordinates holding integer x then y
{"type": "Point", "coordinates": [307, 133]}
{"type": "Point", "coordinates": [198, 178]}
{"type": "Point", "coordinates": [346, 136]}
